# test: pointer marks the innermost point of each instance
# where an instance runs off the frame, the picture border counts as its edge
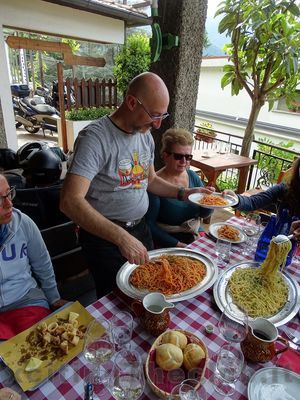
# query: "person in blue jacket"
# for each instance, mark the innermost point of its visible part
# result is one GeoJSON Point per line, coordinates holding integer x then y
{"type": "Point", "coordinates": [26, 272]}
{"type": "Point", "coordinates": [175, 223]}
{"type": "Point", "coordinates": [285, 195]}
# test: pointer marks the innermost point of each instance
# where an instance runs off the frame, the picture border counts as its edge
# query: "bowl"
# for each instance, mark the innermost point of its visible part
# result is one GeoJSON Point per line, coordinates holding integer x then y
{"type": "Point", "coordinates": [162, 382]}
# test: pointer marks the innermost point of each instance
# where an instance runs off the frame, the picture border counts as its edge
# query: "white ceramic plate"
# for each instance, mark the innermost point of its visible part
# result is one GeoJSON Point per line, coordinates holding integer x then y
{"type": "Point", "coordinates": [274, 383]}
{"type": "Point", "coordinates": [196, 197]}
{"type": "Point", "coordinates": [211, 275]}
{"type": "Point", "coordinates": [213, 230]}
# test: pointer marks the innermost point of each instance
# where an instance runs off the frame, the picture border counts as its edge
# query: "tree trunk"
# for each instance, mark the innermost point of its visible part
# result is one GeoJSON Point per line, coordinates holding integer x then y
{"type": "Point", "coordinates": [179, 67]}
{"type": "Point", "coordinates": [249, 136]}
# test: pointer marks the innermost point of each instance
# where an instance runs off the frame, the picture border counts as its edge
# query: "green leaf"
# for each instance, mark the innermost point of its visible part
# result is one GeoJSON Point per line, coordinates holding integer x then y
{"type": "Point", "coordinates": [226, 79]}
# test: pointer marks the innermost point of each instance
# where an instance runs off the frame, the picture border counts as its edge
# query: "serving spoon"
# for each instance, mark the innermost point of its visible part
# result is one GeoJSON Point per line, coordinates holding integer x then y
{"type": "Point", "coordinates": [281, 238]}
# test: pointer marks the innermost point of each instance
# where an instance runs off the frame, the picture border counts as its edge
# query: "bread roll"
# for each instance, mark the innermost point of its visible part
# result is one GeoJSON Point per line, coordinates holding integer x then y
{"type": "Point", "coordinates": [168, 356]}
{"type": "Point", "coordinates": [192, 355]}
{"type": "Point", "coordinates": [175, 337]}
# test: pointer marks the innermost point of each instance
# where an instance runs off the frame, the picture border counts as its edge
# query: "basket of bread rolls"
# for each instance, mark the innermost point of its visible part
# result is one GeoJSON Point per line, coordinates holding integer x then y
{"type": "Point", "coordinates": [175, 355]}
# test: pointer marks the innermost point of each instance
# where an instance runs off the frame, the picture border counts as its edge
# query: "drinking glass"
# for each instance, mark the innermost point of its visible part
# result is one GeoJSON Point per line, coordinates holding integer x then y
{"type": "Point", "coordinates": [233, 330]}
{"type": "Point", "coordinates": [127, 379]}
{"type": "Point", "coordinates": [251, 228]}
{"type": "Point", "coordinates": [188, 389]}
{"type": "Point", "coordinates": [122, 326]}
{"type": "Point", "coordinates": [229, 367]}
{"type": "Point", "coordinates": [223, 250]}
{"type": "Point", "coordinates": [184, 391]}
{"type": "Point", "coordinates": [98, 348]}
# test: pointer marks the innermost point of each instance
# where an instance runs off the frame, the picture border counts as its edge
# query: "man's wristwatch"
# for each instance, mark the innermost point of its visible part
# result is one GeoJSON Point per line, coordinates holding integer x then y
{"type": "Point", "coordinates": [181, 193]}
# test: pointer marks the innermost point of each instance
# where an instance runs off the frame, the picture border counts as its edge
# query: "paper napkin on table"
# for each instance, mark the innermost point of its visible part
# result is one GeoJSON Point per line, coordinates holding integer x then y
{"type": "Point", "coordinates": [290, 359]}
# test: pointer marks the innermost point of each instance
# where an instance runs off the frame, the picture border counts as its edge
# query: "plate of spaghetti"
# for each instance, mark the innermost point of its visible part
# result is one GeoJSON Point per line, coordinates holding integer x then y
{"type": "Point", "coordinates": [227, 232]}
{"type": "Point", "coordinates": [214, 200]}
{"type": "Point", "coordinates": [244, 284]}
{"type": "Point", "coordinates": [180, 274]}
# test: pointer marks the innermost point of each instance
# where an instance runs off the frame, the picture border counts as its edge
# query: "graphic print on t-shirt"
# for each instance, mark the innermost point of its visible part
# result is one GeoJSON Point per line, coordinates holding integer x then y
{"type": "Point", "coordinates": [134, 172]}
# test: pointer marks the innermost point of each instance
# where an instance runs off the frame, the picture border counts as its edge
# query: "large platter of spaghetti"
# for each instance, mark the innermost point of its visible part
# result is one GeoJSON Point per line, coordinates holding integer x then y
{"type": "Point", "coordinates": [286, 313]}
{"type": "Point", "coordinates": [214, 200]}
{"type": "Point", "coordinates": [206, 280]}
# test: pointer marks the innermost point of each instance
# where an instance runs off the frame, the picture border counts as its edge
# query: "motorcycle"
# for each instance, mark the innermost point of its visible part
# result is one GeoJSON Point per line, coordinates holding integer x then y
{"type": "Point", "coordinates": [43, 91]}
{"type": "Point", "coordinates": [34, 113]}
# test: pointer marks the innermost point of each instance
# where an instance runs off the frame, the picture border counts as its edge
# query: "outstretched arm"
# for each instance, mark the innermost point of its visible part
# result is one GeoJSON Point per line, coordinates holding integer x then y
{"type": "Point", "coordinates": [76, 207]}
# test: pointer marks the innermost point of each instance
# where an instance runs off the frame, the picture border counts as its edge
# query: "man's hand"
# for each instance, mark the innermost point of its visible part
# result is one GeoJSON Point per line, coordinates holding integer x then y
{"type": "Point", "coordinates": [295, 229]}
{"type": "Point", "coordinates": [181, 245]}
{"type": "Point", "coordinates": [7, 393]}
{"type": "Point", "coordinates": [59, 303]}
{"type": "Point", "coordinates": [132, 249]}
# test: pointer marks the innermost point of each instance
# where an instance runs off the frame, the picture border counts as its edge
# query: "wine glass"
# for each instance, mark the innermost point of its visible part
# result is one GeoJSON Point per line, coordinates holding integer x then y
{"type": "Point", "coordinates": [98, 347]}
{"type": "Point", "coordinates": [127, 379]}
{"type": "Point", "coordinates": [233, 330]}
{"type": "Point", "coordinates": [229, 367]}
{"type": "Point", "coordinates": [122, 327]}
{"type": "Point", "coordinates": [184, 391]}
{"type": "Point", "coordinates": [223, 251]}
{"type": "Point", "coordinates": [251, 228]}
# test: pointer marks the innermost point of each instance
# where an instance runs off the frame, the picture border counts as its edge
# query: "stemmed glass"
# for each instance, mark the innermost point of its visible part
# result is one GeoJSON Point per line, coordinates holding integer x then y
{"type": "Point", "coordinates": [233, 330]}
{"type": "Point", "coordinates": [229, 367]}
{"type": "Point", "coordinates": [251, 228]}
{"type": "Point", "coordinates": [186, 390]}
{"type": "Point", "coordinates": [98, 348]}
{"type": "Point", "coordinates": [183, 391]}
{"type": "Point", "coordinates": [127, 379]}
{"type": "Point", "coordinates": [122, 326]}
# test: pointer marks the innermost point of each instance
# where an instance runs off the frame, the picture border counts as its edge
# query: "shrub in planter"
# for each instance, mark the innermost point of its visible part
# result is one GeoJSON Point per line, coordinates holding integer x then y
{"type": "Point", "coordinates": [87, 114]}
{"type": "Point", "coordinates": [205, 132]}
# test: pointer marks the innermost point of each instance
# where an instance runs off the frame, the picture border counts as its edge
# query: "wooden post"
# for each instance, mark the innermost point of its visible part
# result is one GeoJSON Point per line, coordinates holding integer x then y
{"type": "Point", "coordinates": [60, 77]}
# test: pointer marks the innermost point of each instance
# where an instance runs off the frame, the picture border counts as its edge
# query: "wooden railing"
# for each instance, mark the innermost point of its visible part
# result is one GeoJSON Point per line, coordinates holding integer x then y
{"type": "Point", "coordinates": [270, 163]}
{"type": "Point", "coordinates": [89, 93]}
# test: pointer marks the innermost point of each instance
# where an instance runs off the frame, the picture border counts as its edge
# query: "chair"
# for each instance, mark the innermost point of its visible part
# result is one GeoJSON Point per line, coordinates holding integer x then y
{"type": "Point", "coordinates": [72, 276]}
{"type": "Point", "coordinates": [284, 176]}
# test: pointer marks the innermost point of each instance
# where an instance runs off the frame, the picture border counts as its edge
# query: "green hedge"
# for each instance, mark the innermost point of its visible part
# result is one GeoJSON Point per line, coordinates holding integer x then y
{"type": "Point", "coordinates": [87, 114]}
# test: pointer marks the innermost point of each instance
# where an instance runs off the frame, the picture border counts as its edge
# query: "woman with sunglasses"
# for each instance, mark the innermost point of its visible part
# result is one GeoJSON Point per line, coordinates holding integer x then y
{"type": "Point", "coordinates": [175, 223]}
{"type": "Point", "coordinates": [27, 283]}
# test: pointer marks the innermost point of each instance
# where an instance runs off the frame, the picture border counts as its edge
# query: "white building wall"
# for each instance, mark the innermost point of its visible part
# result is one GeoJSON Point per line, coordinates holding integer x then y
{"type": "Point", "coordinates": [40, 16]}
{"type": "Point", "coordinates": [212, 98]}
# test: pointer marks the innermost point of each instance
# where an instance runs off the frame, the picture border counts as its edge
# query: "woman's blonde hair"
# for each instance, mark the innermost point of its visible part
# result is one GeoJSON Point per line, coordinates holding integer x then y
{"type": "Point", "coordinates": [176, 136]}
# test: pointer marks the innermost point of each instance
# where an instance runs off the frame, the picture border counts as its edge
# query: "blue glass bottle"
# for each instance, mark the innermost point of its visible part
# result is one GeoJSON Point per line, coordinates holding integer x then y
{"type": "Point", "coordinates": [265, 238]}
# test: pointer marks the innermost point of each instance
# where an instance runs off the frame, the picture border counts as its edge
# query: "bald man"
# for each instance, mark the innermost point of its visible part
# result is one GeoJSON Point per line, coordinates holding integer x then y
{"type": "Point", "coordinates": [105, 191]}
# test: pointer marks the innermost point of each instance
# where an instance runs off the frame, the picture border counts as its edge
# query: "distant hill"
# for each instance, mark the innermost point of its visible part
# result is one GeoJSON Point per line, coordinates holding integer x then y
{"type": "Point", "coordinates": [215, 38]}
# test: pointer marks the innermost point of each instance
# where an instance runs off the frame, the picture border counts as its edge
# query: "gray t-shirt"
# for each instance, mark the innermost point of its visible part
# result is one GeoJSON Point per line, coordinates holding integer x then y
{"type": "Point", "coordinates": [117, 164]}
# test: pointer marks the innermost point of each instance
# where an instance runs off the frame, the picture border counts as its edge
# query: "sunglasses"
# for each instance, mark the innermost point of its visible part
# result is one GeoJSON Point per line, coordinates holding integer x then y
{"type": "Point", "coordinates": [178, 156]}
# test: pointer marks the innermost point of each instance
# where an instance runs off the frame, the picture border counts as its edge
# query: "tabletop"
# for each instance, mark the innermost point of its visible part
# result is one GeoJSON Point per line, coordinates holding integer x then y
{"type": "Point", "coordinates": [212, 167]}
{"type": "Point", "coordinates": [222, 161]}
{"type": "Point", "coordinates": [191, 315]}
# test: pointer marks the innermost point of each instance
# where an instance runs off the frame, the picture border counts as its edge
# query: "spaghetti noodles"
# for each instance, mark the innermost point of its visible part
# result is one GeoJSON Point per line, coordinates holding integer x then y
{"type": "Point", "coordinates": [168, 274]}
{"type": "Point", "coordinates": [212, 200]}
{"type": "Point", "coordinates": [262, 292]}
{"type": "Point", "coordinates": [228, 232]}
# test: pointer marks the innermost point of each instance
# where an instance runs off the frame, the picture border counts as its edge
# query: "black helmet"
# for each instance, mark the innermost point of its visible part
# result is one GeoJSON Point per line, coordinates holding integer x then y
{"type": "Point", "coordinates": [27, 150]}
{"type": "Point", "coordinates": [43, 168]}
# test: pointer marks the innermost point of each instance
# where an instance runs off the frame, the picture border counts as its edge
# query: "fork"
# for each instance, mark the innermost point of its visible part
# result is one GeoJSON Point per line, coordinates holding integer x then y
{"type": "Point", "coordinates": [292, 337]}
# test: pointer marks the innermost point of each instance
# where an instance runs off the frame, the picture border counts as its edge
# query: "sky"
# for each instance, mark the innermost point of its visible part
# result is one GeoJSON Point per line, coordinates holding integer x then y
{"type": "Point", "coordinates": [212, 7]}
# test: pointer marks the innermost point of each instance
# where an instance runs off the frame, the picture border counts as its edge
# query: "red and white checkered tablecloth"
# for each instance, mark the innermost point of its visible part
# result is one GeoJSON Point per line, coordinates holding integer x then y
{"type": "Point", "coordinates": [191, 315]}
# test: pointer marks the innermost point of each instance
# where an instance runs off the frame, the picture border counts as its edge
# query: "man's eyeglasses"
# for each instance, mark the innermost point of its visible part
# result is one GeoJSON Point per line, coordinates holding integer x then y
{"type": "Point", "coordinates": [10, 195]}
{"type": "Point", "coordinates": [179, 156]}
{"type": "Point", "coordinates": [153, 117]}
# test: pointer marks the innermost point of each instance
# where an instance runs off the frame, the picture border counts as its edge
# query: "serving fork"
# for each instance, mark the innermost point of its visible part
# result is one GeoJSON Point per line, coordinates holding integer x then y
{"type": "Point", "coordinates": [292, 337]}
